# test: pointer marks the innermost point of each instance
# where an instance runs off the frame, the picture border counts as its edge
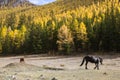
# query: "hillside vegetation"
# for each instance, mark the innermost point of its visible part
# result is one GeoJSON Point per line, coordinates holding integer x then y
{"type": "Point", "coordinates": [63, 26]}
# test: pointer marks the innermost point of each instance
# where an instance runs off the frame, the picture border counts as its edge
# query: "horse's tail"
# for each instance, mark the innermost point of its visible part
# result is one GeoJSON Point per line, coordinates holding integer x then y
{"type": "Point", "coordinates": [82, 61]}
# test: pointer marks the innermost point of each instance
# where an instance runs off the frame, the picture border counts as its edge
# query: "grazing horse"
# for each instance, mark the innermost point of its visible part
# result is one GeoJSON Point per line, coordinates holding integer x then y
{"type": "Point", "coordinates": [92, 59]}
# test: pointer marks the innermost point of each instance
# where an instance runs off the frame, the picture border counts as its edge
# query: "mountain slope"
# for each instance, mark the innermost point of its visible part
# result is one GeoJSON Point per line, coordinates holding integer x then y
{"type": "Point", "coordinates": [94, 26]}
{"type": "Point", "coordinates": [14, 3]}
{"type": "Point", "coordinates": [58, 7]}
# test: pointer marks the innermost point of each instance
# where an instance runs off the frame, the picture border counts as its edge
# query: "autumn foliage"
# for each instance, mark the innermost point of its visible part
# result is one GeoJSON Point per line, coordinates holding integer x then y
{"type": "Point", "coordinates": [76, 25]}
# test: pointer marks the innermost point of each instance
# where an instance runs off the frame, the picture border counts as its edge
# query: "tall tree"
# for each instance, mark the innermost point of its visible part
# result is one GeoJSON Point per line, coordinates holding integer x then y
{"type": "Point", "coordinates": [80, 37]}
{"type": "Point", "coordinates": [65, 39]}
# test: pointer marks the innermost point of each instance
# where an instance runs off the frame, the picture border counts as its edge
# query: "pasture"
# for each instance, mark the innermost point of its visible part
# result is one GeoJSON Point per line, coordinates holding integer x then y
{"type": "Point", "coordinates": [58, 68]}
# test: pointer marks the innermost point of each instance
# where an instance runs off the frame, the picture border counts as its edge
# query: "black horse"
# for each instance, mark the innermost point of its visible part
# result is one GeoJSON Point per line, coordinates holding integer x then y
{"type": "Point", "coordinates": [92, 59]}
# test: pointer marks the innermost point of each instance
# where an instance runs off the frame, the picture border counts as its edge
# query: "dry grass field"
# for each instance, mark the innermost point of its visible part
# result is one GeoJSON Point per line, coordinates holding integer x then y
{"type": "Point", "coordinates": [58, 68]}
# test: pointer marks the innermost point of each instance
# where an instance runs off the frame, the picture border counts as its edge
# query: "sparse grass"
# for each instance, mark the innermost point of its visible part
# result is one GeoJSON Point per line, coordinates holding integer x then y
{"type": "Point", "coordinates": [109, 71]}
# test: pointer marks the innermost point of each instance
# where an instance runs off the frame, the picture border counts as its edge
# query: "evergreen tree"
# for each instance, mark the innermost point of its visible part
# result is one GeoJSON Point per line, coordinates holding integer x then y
{"type": "Point", "coordinates": [65, 39]}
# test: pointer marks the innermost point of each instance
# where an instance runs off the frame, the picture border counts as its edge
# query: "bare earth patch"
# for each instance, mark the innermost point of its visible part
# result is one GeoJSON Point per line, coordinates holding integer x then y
{"type": "Point", "coordinates": [57, 68]}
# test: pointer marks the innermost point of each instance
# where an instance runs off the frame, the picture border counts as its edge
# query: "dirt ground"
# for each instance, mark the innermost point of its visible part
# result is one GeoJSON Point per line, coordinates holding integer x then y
{"type": "Point", "coordinates": [57, 68]}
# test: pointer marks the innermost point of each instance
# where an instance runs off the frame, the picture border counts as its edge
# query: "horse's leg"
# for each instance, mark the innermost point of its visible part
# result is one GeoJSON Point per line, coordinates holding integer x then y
{"type": "Point", "coordinates": [95, 66]}
{"type": "Point", "coordinates": [86, 65]}
{"type": "Point", "coordinates": [98, 66]}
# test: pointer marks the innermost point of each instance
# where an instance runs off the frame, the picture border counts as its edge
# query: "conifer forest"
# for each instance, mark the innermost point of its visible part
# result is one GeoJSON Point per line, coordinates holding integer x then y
{"type": "Point", "coordinates": [63, 26]}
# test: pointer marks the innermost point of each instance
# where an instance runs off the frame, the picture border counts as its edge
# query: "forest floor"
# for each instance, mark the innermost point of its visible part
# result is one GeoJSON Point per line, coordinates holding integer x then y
{"type": "Point", "coordinates": [58, 68]}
